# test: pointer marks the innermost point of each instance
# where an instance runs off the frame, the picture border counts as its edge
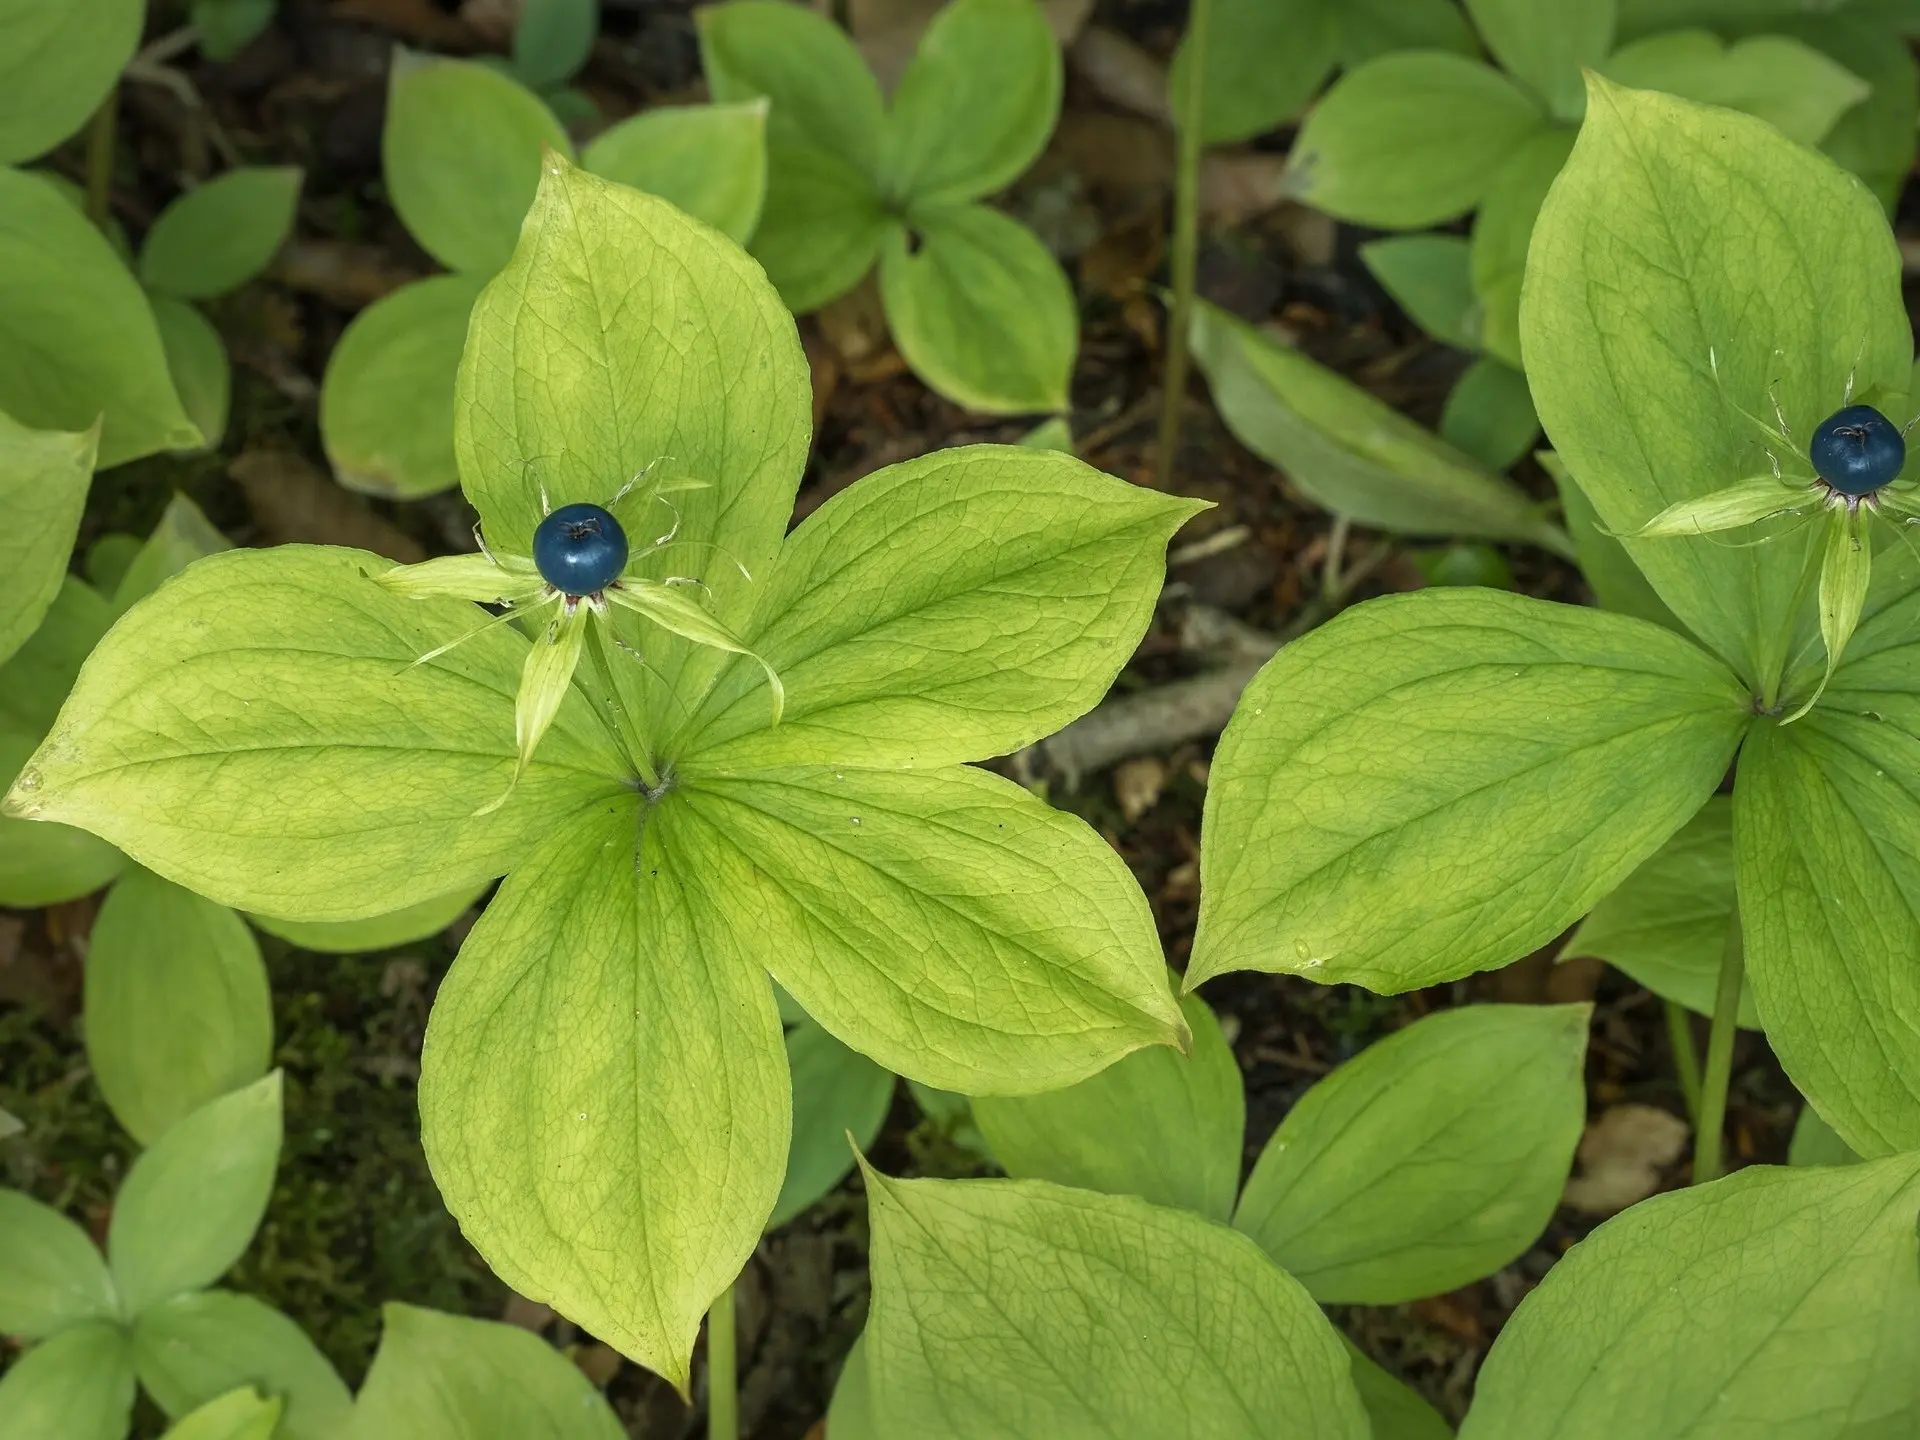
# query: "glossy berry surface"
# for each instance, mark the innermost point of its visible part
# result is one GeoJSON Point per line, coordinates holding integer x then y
{"type": "Point", "coordinates": [579, 549]}
{"type": "Point", "coordinates": [1857, 450]}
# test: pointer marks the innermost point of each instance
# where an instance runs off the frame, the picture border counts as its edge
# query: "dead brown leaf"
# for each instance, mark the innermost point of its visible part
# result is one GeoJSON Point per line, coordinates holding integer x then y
{"type": "Point", "coordinates": [1236, 185]}
{"type": "Point", "coordinates": [1137, 784]}
{"type": "Point", "coordinates": [294, 501]}
{"type": "Point", "coordinates": [418, 20]}
{"type": "Point", "coordinates": [1121, 72]}
{"type": "Point", "coordinates": [350, 276]}
{"type": "Point", "coordinates": [1621, 1157]}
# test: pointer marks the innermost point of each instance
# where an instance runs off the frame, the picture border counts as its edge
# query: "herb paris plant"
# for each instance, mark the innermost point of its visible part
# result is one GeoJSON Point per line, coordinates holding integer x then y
{"type": "Point", "coordinates": [604, 1088]}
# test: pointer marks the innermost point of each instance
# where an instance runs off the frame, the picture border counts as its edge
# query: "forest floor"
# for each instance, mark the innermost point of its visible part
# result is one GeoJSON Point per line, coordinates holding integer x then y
{"type": "Point", "coordinates": [355, 1218]}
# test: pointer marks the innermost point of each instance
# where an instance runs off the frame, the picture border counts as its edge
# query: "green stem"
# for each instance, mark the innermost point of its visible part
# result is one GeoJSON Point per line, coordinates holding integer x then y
{"type": "Point", "coordinates": [1330, 573]}
{"type": "Point", "coordinates": [1686, 1059]}
{"type": "Point", "coordinates": [636, 746]}
{"type": "Point", "coordinates": [723, 1396]}
{"type": "Point", "coordinates": [100, 157]}
{"type": "Point", "coordinates": [1186, 240]}
{"type": "Point", "coordinates": [1719, 1069]}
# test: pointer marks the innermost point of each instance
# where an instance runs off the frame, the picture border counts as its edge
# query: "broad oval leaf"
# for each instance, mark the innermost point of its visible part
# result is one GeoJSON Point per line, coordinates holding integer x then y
{"type": "Point", "coordinates": [461, 154]}
{"type": "Point", "coordinates": [823, 95]}
{"type": "Point", "coordinates": [1876, 138]}
{"type": "Point", "coordinates": [1648, 1329]}
{"type": "Point", "coordinates": [837, 1093]}
{"type": "Point", "coordinates": [976, 104]}
{"type": "Point", "coordinates": [1791, 86]}
{"type": "Point", "coordinates": [196, 1348]}
{"type": "Point", "coordinates": [710, 160]}
{"type": "Point", "coordinates": [220, 235]}
{"type": "Point", "coordinates": [1437, 783]}
{"type": "Point", "coordinates": [177, 1007]}
{"type": "Point", "coordinates": [80, 336]}
{"type": "Point", "coordinates": [197, 361]}
{"type": "Point", "coordinates": [1265, 58]}
{"type": "Point", "coordinates": [44, 475]}
{"type": "Point", "coordinates": [1489, 414]}
{"type": "Point", "coordinates": [980, 309]}
{"type": "Point", "coordinates": [552, 40]}
{"type": "Point", "coordinates": [1157, 1124]}
{"type": "Point", "coordinates": [1546, 48]}
{"type": "Point", "coordinates": [288, 673]}
{"type": "Point", "coordinates": [1671, 211]}
{"type": "Point", "coordinates": [1016, 1307]}
{"type": "Point", "coordinates": [1397, 1411]}
{"type": "Point", "coordinates": [603, 1091]}
{"type": "Point", "coordinates": [898, 647]}
{"type": "Point", "coordinates": [57, 63]}
{"type": "Point", "coordinates": [386, 401]}
{"type": "Point", "coordinates": [76, 1386]}
{"type": "Point", "coordinates": [446, 1377]}
{"type": "Point", "coordinates": [240, 1414]}
{"type": "Point", "coordinates": [1371, 152]}
{"type": "Point", "coordinates": [1430, 1160]}
{"type": "Point", "coordinates": [945, 923]}
{"type": "Point", "coordinates": [381, 932]}
{"type": "Point", "coordinates": [821, 228]}
{"type": "Point", "coordinates": [1349, 451]}
{"type": "Point", "coordinates": [191, 1203]}
{"type": "Point", "coordinates": [51, 1277]}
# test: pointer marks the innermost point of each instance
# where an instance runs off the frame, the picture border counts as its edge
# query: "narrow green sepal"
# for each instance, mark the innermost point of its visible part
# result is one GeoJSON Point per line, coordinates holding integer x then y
{"type": "Point", "coordinates": [1759, 498]}
{"type": "Point", "coordinates": [480, 578]}
{"type": "Point", "coordinates": [671, 608]}
{"type": "Point", "coordinates": [544, 680]}
{"type": "Point", "coordinates": [1845, 571]}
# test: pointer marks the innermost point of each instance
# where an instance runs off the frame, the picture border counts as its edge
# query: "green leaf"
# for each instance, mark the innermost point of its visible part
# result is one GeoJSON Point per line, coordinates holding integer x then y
{"type": "Point", "coordinates": [1372, 151]}
{"type": "Point", "coordinates": [226, 27]}
{"type": "Point", "coordinates": [461, 151]}
{"type": "Point", "coordinates": [976, 104]}
{"type": "Point", "coordinates": [1829, 886]}
{"type": "Point", "coordinates": [1489, 414]}
{"type": "Point", "coordinates": [183, 536]}
{"type": "Point", "coordinates": [1876, 138]}
{"type": "Point", "coordinates": [824, 98]}
{"type": "Point", "coordinates": [43, 864]}
{"type": "Point", "coordinates": [197, 362]}
{"type": "Point", "coordinates": [710, 160]}
{"type": "Point", "coordinates": [1430, 1160]}
{"type": "Point", "coordinates": [1396, 1410]}
{"type": "Point", "coordinates": [1005, 1307]}
{"type": "Point", "coordinates": [822, 226]}
{"type": "Point", "coordinates": [51, 1277]}
{"type": "Point", "coordinates": [1158, 1124]}
{"type": "Point", "coordinates": [603, 1091]}
{"type": "Point", "coordinates": [177, 1009]}
{"type": "Point", "coordinates": [553, 39]}
{"type": "Point", "coordinates": [1369, 28]}
{"type": "Point", "coordinates": [240, 1414]}
{"type": "Point", "coordinates": [288, 674]}
{"type": "Point", "coordinates": [191, 1203]}
{"type": "Point", "coordinates": [1667, 923]}
{"type": "Point", "coordinates": [1791, 86]}
{"type": "Point", "coordinates": [1427, 277]}
{"type": "Point", "coordinates": [980, 309]}
{"type": "Point", "coordinates": [1546, 49]}
{"type": "Point", "coordinates": [900, 647]}
{"type": "Point", "coordinates": [57, 63]}
{"type": "Point", "coordinates": [195, 1348]}
{"type": "Point", "coordinates": [386, 401]}
{"type": "Point", "coordinates": [76, 1386]}
{"type": "Point", "coordinates": [1437, 783]}
{"type": "Point", "coordinates": [1650, 1327]}
{"type": "Point", "coordinates": [1502, 231]}
{"type": "Point", "coordinates": [1348, 451]}
{"type": "Point", "coordinates": [108, 558]}
{"type": "Point", "coordinates": [943, 922]}
{"type": "Point", "coordinates": [850, 1415]}
{"type": "Point", "coordinates": [35, 682]}
{"type": "Point", "coordinates": [218, 236]}
{"type": "Point", "coordinates": [382, 932]}
{"type": "Point", "coordinates": [445, 1377]}
{"type": "Point", "coordinates": [80, 335]}
{"type": "Point", "coordinates": [44, 476]}
{"type": "Point", "coordinates": [837, 1092]}
{"type": "Point", "coordinates": [1671, 210]}
{"type": "Point", "coordinates": [1616, 582]}
{"type": "Point", "coordinates": [1815, 1143]}
{"type": "Point", "coordinates": [1265, 58]}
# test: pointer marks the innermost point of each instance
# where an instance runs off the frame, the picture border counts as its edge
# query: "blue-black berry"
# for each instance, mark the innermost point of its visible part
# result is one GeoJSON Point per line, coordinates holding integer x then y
{"type": "Point", "coordinates": [1857, 450]}
{"type": "Point", "coordinates": [580, 549]}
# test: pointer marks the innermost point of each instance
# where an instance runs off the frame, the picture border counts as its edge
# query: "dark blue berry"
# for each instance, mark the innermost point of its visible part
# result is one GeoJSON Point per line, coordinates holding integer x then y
{"type": "Point", "coordinates": [580, 549]}
{"type": "Point", "coordinates": [1857, 450]}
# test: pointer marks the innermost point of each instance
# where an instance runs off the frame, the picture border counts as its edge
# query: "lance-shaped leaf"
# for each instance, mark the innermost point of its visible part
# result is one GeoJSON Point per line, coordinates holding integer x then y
{"type": "Point", "coordinates": [1745, 502]}
{"type": "Point", "coordinates": [445, 1377]}
{"type": "Point", "coordinates": [1428, 1161]}
{"type": "Point", "coordinates": [80, 336]}
{"type": "Point", "coordinates": [1349, 451]}
{"type": "Point", "coordinates": [177, 1007]}
{"type": "Point", "coordinates": [837, 1093]}
{"type": "Point", "coordinates": [44, 476]}
{"type": "Point", "coordinates": [603, 1091]}
{"type": "Point", "coordinates": [1846, 570]}
{"type": "Point", "coordinates": [944, 922]}
{"type": "Point", "coordinates": [1016, 1307]}
{"type": "Point", "coordinates": [1161, 1125]}
{"type": "Point", "coordinates": [710, 160]}
{"type": "Point", "coordinates": [57, 63]}
{"type": "Point", "coordinates": [1547, 49]}
{"type": "Point", "coordinates": [78, 1386]}
{"type": "Point", "coordinates": [1713, 297]}
{"type": "Point", "coordinates": [220, 235]}
{"type": "Point", "coordinates": [899, 646]}
{"type": "Point", "coordinates": [197, 1347]}
{"type": "Point", "coordinates": [1773, 1302]}
{"type": "Point", "coordinates": [1829, 884]}
{"type": "Point", "coordinates": [51, 1277]}
{"type": "Point", "coordinates": [1437, 783]}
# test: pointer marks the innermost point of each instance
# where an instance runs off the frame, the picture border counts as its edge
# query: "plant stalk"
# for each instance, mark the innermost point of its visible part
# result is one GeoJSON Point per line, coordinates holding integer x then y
{"type": "Point", "coordinates": [1186, 241]}
{"type": "Point", "coordinates": [723, 1395]}
{"type": "Point", "coordinates": [630, 732]}
{"type": "Point", "coordinates": [1686, 1058]}
{"type": "Point", "coordinates": [100, 157]}
{"type": "Point", "coordinates": [1719, 1070]}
